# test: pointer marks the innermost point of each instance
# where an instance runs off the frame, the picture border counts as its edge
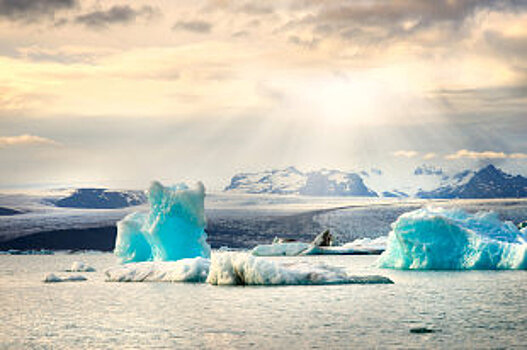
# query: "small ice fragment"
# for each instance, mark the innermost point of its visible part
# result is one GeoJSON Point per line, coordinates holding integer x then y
{"type": "Point", "coordinates": [421, 330]}
{"type": "Point", "coordinates": [79, 266]}
{"type": "Point", "coordinates": [52, 278]}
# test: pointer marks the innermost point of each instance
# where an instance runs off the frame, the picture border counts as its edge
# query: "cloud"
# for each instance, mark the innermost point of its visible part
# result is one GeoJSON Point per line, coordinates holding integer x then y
{"type": "Point", "coordinates": [193, 26]}
{"type": "Point", "coordinates": [25, 139]}
{"type": "Point", "coordinates": [375, 22]}
{"type": "Point", "coordinates": [115, 15]}
{"type": "Point", "coordinates": [256, 8]}
{"type": "Point", "coordinates": [406, 154]}
{"type": "Point", "coordinates": [430, 155]}
{"type": "Point", "coordinates": [485, 155]}
{"type": "Point", "coordinates": [308, 44]}
{"type": "Point", "coordinates": [31, 10]}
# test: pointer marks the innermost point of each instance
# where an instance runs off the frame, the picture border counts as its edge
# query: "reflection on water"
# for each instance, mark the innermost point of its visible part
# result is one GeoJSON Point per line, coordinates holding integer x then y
{"type": "Point", "coordinates": [462, 309]}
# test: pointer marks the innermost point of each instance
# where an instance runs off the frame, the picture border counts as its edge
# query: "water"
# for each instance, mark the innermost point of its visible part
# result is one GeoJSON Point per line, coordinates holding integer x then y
{"type": "Point", "coordinates": [476, 309]}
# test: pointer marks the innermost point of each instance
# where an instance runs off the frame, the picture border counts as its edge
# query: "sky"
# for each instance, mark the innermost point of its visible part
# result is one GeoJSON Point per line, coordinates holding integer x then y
{"type": "Point", "coordinates": [119, 93]}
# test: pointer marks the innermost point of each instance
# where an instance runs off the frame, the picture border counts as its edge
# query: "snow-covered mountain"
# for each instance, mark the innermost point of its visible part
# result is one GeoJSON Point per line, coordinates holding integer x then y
{"type": "Point", "coordinates": [100, 198]}
{"type": "Point", "coordinates": [425, 181]}
{"type": "Point", "coordinates": [401, 183]}
{"type": "Point", "coordinates": [488, 182]}
{"type": "Point", "coordinates": [292, 181]}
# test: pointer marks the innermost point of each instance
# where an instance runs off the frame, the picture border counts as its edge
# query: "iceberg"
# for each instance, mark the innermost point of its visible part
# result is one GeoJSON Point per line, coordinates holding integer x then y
{"type": "Point", "coordinates": [184, 270]}
{"type": "Point", "coordinates": [173, 229]}
{"type": "Point", "coordinates": [452, 239]}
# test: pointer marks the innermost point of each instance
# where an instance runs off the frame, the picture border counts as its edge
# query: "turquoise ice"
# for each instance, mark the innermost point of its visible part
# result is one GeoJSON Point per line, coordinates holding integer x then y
{"type": "Point", "coordinates": [173, 229]}
{"type": "Point", "coordinates": [452, 239]}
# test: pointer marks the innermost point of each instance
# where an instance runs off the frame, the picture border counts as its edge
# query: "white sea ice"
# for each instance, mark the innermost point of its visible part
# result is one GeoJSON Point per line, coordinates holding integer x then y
{"type": "Point", "coordinates": [281, 249]}
{"type": "Point", "coordinates": [245, 269]}
{"type": "Point", "coordinates": [228, 268]}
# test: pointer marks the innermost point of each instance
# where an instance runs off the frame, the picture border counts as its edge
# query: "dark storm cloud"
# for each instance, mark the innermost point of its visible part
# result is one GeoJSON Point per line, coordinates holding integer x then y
{"type": "Point", "coordinates": [115, 15]}
{"type": "Point", "coordinates": [31, 10]}
{"type": "Point", "coordinates": [193, 26]}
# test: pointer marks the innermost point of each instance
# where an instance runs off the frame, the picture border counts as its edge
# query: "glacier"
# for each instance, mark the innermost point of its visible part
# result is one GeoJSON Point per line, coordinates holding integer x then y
{"type": "Point", "coordinates": [453, 239]}
{"type": "Point", "coordinates": [228, 268]}
{"type": "Point", "coordinates": [173, 229]}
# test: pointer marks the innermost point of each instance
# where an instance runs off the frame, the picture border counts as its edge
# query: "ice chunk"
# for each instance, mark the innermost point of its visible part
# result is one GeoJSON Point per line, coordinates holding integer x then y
{"type": "Point", "coordinates": [184, 270]}
{"type": "Point", "coordinates": [173, 229]}
{"type": "Point", "coordinates": [435, 238]}
{"type": "Point", "coordinates": [281, 249]}
{"type": "Point", "coordinates": [378, 243]}
{"type": "Point", "coordinates": [52, 278]}
{"type": "Point", "coordinates": [79, 266]}
{"type": "Point", "coordinates": [245, 269]}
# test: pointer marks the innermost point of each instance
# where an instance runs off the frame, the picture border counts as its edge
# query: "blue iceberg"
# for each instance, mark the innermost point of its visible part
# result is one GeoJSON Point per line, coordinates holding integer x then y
{"type": "Point", "coordinates": [452, 239]}
{"type": "Point", "coordinates": [173, 229]}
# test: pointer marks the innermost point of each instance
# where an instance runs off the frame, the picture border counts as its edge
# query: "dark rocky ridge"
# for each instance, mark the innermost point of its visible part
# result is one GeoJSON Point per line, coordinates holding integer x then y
{"type": "Point", "coordinates": [100, 198]}
{"type": "Point", "coordinates": [488, 182]}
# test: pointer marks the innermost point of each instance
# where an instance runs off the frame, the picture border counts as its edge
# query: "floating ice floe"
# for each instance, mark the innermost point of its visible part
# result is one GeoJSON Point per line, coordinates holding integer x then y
{"type": "Point", "coordinates": [79, 266]}
{"type": "Point", "coordinates": [229, 268]}
{"type": "Point", "coordinates": [52, 278]}
{"type": "Point", "coordinates": [244, 269]}
{"type": "Point", "coordinates": [184, 270]}
{"type": "Point", "coordinates": [281, 249]}
{"type": "Point", "coordinates": [363, 246]}
{"type": "Point", "coordinates": [173, 229]}
{"type": "Point", "coordinates": [452, 239]}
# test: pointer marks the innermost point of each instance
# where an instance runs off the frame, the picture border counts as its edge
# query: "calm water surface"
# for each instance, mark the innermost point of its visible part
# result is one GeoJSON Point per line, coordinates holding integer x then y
{"type": "Point", "coordinates": [478, 309]}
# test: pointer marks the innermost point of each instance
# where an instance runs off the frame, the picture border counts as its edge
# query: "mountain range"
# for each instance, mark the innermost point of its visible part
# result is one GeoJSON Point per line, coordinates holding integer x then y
{"type": "Point", "coordinates": [292, 181]}
{"type": "Point", "coordinates": [100, 198]}
{"type": "Point", "coordinates": [425, 182]}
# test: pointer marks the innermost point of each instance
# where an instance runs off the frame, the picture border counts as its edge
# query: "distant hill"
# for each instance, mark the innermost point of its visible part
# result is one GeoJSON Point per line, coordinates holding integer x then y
{"type": "Point", "coordinates": [488, 182]}
{"type": "Point", "coordinates": [100, 198]}
{"type": "Point", "coordinates": [292, 181]}
{"type": "Point", "coordinates": [8, 211]}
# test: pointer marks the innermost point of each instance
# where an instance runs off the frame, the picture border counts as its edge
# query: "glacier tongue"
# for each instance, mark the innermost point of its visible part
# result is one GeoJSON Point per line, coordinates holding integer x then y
{"type": "Point", "coordinates": [452, 239]}
{"type": "Point", "coordinates": [173, 229]}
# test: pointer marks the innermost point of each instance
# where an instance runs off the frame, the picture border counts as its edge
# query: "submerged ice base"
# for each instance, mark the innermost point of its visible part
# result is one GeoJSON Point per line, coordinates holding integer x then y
{"type": "Point", "coordinates": [452, 239]}
{"type": "Point", "coordinates": [173, 229]}
{"type": "Point", "coordinates": [228, 268]}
